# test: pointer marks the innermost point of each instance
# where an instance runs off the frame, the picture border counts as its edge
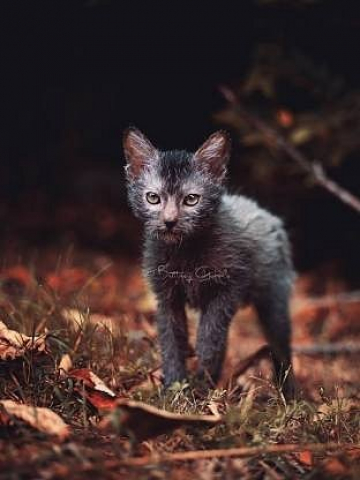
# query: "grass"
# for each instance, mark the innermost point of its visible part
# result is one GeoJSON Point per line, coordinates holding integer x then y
{"type": "Point", "coordinates": [121, 348]}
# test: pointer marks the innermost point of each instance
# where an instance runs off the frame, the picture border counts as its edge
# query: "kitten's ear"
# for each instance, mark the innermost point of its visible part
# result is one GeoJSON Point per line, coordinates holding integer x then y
{"type": "Point", "coordinates": [214, 154]}
{"type": "Point", "coordinates": [138, 150]}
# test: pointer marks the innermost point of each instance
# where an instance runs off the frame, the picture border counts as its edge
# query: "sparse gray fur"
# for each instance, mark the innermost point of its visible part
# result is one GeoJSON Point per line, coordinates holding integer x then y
{"type": "Point", "coordinates": [218, 254]}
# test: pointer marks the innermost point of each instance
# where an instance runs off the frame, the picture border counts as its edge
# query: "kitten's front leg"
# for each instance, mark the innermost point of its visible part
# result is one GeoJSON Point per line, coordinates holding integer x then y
{"type": "Point", "coordinates": [212, 337]}
{"type": "Point", "coordinates": [173, 337]}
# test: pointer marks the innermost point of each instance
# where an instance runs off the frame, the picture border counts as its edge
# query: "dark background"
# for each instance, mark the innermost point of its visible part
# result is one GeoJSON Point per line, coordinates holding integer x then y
{"type": "Point", "coordinates": [75, 74]}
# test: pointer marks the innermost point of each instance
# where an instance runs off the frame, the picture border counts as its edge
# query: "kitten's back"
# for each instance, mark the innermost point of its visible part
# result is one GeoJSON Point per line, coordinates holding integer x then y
{"type": "Point", "coordinates": [248, 216]}
{"type": "Point", "coordinates": [262, 232]}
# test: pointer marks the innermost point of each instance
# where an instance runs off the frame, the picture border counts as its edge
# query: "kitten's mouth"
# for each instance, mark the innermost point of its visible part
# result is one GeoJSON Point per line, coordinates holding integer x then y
{"type": "Point", "coordinates": [170, 236]}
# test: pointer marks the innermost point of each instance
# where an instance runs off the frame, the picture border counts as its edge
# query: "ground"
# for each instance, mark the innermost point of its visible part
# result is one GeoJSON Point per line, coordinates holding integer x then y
{"type": "Point", "coordinates": [93, 314]}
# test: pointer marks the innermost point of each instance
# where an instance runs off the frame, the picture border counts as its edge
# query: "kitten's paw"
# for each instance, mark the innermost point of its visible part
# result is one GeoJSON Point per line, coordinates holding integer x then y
{"type": "Point", "coordinates": [173, 373]}
{"type": "Point", "coordinates": [174, 383]}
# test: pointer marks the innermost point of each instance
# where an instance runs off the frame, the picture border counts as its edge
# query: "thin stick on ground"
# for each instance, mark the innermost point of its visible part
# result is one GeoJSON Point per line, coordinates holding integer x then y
{"type": "Point", "coordinates": [274, 139]}
{"type": "Point", "coordinates": [315, 349]}
{"type": "Point", "coordinates": [241, 452]}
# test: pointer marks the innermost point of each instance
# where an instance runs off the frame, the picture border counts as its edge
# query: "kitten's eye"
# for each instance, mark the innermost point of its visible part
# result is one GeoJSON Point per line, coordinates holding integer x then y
{"type": "Point", "coordinates": [191, 199]}
{"type": "Point", "coordinates": [152, 198]}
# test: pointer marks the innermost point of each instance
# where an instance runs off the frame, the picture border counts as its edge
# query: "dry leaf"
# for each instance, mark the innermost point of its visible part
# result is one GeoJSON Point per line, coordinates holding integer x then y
{"type": "Point", "coordinates": [147, 302]}
{"type": "Point", "coordinates": [149, 328]}
{"type": "Point", "coordinates": [335, 406]}
{"type": "Point", "coordinates": [18, 274]}
{"type": "Point", "coordinates": [94, 389]}
{"type": "Point", "coordinates": [76, 320]}
{"type": "Point", "coordinates": [14, 344]}
{"type": "Point", "coordinates": [91, 380]}
{"type": "Point", "coordinates": [42, 419]}
{"type": "Point", "coordinates": [152, 380]}
{"type": "Point", "coordinates": [107, 323]}
{"type": "Point", "coordinates": [68, 280]}
{"type": "Point", "coordinates": [74, 317]}
{"type": "Point", "coordinates": [214, 408]}
{"type": "Point", "coordinates": [144, 421]}
{"type": "Point", "coordinates": [334, 467]}
{"type": "Point", "coordinates": [65, 364]}
{"type": "Point", "coordinates": [306, 457]}
{"type": "Point", "coordinates": [99, 400]}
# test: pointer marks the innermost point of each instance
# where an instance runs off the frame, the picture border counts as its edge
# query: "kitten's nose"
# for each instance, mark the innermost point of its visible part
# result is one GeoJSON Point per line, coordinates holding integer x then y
{"type": "Point", "coordinates": [170, 213]}
{"type": "Point", "coordinates": [170, 224]}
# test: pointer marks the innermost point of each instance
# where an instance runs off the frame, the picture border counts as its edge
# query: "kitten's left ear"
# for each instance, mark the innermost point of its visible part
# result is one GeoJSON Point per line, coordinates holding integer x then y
{"type": "Point", "coordinates": [214, 154]}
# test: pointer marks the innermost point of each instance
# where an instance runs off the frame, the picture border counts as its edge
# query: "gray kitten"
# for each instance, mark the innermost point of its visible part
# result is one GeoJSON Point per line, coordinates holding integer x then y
{"type": "Point", "coordinates": [210, 249]}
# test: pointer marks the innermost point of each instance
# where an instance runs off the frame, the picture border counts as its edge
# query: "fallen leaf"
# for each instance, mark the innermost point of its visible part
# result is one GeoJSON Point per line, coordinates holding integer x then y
{"type": "Point", "coordinates": [147, 302]}
{"type": "Point", "coordinates": [16, 275]}
{"type": "Point", "coordinates": [144, 421]}
{"type": "Point", "coordinates": [68, 280]}
{"type": "Point", "coordinates": [65, 364]}
{"type": "Point", "coordinates": [93, 388]}
{"type": "Point", "coordinates": [306, 457]}
{"type": "Point", "coordinates": [99, 400]}
{"type": "Point", "coordinates": [75, 318]}
{"type": "Point", "coordinates": [14, 344]}
{"type": "Point", "coordinates": [149, 328]}
{"type": "Point", "coordinates": [152, 380]}
{"type": "Point", "coordinates": [333, 466]}
{"type": "Point", "coordinates": [345, 405]}
{"type": "Point", "coordinates": [40, 418]}
{"type": "Point", "coordinates": [90, 380]}
{"type": "Point", "coordinates": [214, 408]}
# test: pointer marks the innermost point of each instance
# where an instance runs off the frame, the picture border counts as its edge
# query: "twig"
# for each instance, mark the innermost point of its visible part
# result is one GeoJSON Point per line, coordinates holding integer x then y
{"type": "Point", "coordinates": [270, 471]}
{"type": "Point", "coordinates": [241, 452]}
{"type": "Point", "coordinates": [315, 349]}
{"type": "Point", "coordinates": [244, 365]}
{"type": "Point", "coordinates": [330, 300]}
{"type": "Point", "coordinates": [94, 277]}
{"type": "Point", "coordinates": [273, 138]}
{"type": "Point", "coordinates": [327, 349]}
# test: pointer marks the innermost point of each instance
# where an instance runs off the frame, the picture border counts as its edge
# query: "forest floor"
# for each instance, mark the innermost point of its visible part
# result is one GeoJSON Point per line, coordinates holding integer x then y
{"type": "Point", "coordinates": [77, 336]}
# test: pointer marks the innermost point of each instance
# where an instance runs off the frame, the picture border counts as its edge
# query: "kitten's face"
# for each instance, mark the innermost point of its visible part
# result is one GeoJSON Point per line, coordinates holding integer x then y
{"type": "Point", "coordinates": [175, 193]}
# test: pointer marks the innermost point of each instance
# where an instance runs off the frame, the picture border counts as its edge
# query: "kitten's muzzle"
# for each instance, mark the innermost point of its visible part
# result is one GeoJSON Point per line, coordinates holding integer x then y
{"type": "Point", "coordinates": [170, 214]}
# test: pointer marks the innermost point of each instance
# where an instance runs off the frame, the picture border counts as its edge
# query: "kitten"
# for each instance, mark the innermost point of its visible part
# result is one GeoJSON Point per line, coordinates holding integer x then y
{"type": "Point", "coordinates": [210, 249]}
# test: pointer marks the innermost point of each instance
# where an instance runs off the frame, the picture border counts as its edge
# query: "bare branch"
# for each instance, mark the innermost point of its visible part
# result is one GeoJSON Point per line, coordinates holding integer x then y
{"type": "Point", "coordinates": [334, 299]}
{"type": "Point", "coordinates": [241, 452]}
{"type": "Point", "coordinates": [327, 349]}
{"type": "Point", "coordinates": [274, 139]}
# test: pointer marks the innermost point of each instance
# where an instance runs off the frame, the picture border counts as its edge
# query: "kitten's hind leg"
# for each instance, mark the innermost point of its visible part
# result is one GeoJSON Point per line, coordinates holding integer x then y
{"type": "Point", "coordinates": [273, 311]}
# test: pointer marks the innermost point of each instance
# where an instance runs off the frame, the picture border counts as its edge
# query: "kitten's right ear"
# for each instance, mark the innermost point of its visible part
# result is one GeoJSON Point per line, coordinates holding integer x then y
{"type": "Point", "coordinates": [138, 150]}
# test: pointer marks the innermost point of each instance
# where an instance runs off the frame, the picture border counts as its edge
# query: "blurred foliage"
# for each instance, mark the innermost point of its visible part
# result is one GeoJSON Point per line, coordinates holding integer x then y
{"type": "Point", "coordinates": [291, 3]}
{"type": "Point", "coordinates": [310, 106]}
